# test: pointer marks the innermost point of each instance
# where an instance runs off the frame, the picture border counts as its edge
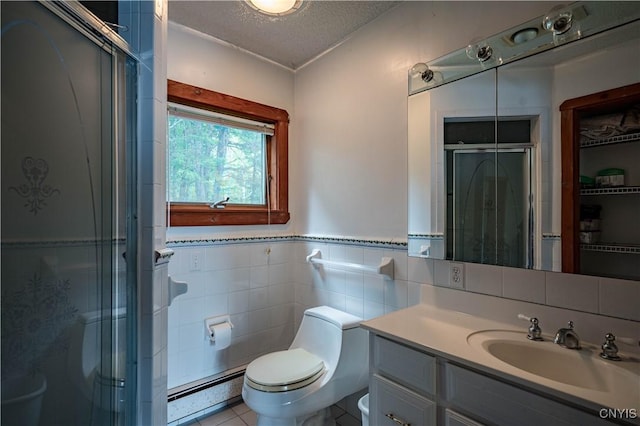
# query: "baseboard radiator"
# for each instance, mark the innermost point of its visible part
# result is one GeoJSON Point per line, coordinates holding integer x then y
{"type": "Point", "coordinates": [204, 384]}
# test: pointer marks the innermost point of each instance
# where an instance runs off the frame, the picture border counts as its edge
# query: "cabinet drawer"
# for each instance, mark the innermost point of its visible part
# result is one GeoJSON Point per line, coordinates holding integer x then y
{"type": "Point", "coordinates": [505, 404]}
{"type": "Point", "coordinates": [394, 405]}
{"type": "Point", "coordinates": [451, 418]}
{"type": "Point", "coordinates": [408, 366]}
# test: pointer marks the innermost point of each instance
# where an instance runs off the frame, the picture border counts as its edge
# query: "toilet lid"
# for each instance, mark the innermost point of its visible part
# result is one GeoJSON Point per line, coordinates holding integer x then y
{"type": "Point", "coordinates": [284, 370]}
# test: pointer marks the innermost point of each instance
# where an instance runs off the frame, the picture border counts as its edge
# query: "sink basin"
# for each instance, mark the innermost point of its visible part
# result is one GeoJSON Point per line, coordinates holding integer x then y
{"type": "Point", "coordinates": [580, 368]}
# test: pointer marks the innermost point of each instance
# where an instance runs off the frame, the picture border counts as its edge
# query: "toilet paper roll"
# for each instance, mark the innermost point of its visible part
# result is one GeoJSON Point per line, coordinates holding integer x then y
{"type": "Point", "coordinates": [220, 335]}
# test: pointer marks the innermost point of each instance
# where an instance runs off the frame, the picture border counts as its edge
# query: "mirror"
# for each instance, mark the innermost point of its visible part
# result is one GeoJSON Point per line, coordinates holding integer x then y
{"type": "Point", "coordinates": [472, 98]}
{"type": "Point", "coordinates": [485, 176]}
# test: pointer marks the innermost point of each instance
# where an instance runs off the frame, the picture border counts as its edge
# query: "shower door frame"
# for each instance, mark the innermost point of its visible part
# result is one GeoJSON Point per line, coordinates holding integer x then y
{"type": "Point", "coordinates": [123, 108]}
{"type": "Point", "coordinates": [528, 150]}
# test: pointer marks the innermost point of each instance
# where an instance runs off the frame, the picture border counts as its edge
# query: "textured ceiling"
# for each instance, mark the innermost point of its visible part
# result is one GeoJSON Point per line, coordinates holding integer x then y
{"type": "Point", "coordinates": [291, 40]}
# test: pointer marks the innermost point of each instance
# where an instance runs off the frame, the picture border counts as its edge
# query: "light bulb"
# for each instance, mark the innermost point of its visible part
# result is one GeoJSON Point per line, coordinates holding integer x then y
{"type": "Point", "coordinates": [561, 23]}
{"type": "Point", "coordinates": [558, 21]}
{"type": "Point", "coordinates": [480, 52]}
{"type": "Point", "coordinates": [421, 70]}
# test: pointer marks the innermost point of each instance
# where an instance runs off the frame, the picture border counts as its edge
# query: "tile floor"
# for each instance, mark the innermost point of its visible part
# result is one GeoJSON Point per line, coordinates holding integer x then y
{"type": "Point", "coordinates": [240, 415]}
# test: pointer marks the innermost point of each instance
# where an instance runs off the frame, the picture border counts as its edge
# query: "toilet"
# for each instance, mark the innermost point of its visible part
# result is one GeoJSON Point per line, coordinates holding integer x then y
{"type": "Point", "coordinates": [328, 360]}
{"type": "Point", "coordinates": [85, 358]}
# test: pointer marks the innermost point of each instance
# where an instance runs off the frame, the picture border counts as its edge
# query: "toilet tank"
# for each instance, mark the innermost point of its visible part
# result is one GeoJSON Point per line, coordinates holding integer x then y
{"type": "Point", "coordinates": [85, 350]}
{"type": "Point", "coordinates": [330, 333]}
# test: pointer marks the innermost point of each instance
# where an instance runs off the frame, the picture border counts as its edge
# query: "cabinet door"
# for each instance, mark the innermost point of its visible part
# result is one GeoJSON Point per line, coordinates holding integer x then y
{"type": "Point", "coordinates": [405, 365]}
{"type": "Point", "coordinates": [504, 404]}
{"type": "Point", "coordinates": [451, 418]}
{"type": "Point", "coordinates": [394, 405]}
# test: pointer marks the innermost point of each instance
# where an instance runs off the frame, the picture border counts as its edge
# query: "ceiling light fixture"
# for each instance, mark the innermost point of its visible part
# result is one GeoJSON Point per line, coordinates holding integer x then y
{"type": "Point", "coordinates": [275, 7]}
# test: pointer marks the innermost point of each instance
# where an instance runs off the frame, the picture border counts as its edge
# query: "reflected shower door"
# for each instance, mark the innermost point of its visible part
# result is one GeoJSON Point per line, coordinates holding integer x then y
{"type": "Point", "coordinates": [491, 218]}
{"type": "Point", "coordinates": [67, 182]}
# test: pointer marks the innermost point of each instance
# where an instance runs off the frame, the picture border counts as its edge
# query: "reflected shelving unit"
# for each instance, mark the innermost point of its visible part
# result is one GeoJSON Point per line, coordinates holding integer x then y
{"type": "Point", "coordinates": [612, 248]}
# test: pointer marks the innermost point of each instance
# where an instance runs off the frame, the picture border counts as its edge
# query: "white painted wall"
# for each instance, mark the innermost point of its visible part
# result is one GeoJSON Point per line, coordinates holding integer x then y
{"type": "Point", "coordinates": [197, 59]}
{"type": "Point", "coordinates": [351, 113]}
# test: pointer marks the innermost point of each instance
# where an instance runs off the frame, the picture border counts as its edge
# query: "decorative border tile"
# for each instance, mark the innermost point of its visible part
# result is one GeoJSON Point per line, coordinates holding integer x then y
{"type": "Point", "coordinates": [365, 242]}
{"type": "Point", "coordinates": [437, 236]}
{"type": "Point", "coordinates": [227, 240]}
{"type": "Point", "coordinates": [551, 236]}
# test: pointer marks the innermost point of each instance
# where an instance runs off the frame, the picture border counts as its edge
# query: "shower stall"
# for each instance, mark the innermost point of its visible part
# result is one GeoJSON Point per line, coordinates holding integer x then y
{"type": "Point", "coordinates": [69, 232]}
{"type": "Point", "coordinates": [490, 202]}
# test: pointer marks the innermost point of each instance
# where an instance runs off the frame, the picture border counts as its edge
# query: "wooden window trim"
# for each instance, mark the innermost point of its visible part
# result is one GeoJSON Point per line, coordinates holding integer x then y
{"type": "Point", "coordinates": [200, 214]}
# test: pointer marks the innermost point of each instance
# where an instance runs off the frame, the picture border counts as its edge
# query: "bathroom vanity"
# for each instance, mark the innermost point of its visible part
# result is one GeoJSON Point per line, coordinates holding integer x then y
{"type": "Point", "coordinates": [437, 367]}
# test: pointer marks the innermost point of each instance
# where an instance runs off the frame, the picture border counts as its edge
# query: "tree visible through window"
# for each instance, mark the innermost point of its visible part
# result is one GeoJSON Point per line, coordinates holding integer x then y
{"type": "Point", "coordinates": [220, 147]}
{"type": "Point", "coordinates": [209, 162]}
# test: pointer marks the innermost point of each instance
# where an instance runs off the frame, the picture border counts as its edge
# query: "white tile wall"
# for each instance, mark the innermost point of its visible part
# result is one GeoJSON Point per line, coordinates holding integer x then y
{"type": "Point", "coordinates": [359, 293]}
{"type": "Point", "coordinates": [572, 291]}
{"type": "Point", "coordinates": [265, 287]}
{"type": "Point", "coordinates": [619, 298]}
{"type": "Point", "coordinates": [485, 279]}
{"type": "Point", "coordinates": [605, 296]}
{"type": "Point", "coordinates": [251, 282]}
{"type": "Point", "coordinates": [524, 284]}
{"type": "Point", "coordinates": [266, 295]}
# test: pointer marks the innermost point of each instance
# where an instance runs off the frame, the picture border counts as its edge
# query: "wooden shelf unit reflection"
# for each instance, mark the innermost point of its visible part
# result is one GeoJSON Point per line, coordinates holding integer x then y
{"type": "Point", "coordinates": [572, 111]}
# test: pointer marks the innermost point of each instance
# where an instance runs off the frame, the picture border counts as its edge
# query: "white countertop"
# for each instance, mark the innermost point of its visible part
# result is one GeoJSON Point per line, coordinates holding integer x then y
{"type": "Point", "coordinates": [444, 333]}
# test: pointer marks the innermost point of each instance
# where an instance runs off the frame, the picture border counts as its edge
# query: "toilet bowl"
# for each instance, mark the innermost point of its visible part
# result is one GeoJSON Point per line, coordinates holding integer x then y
{"type": "Point", "coordinates": [99, 377]}
{"type": "Point", "coordinates": [327, 361]}
{"type": "Point", "coordinates": [22, 399]}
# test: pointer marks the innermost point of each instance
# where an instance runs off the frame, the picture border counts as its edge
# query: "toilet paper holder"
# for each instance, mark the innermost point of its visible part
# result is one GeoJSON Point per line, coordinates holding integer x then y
{"type": "Point", "coordinates": [210, 322]}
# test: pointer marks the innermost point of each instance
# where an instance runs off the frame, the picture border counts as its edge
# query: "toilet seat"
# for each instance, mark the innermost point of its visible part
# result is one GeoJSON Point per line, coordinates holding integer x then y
{"type": "Point", "coordinates": [284, 370]}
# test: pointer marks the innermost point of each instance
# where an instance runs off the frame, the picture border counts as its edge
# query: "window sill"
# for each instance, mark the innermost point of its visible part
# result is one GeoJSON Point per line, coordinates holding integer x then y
{"type": "Point", "coordinates": [203, 215]}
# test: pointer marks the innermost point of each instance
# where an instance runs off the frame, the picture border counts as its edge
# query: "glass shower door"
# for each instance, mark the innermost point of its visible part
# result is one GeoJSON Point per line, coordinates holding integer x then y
{"type": "Point", "coordinates": [68, 183]}
{"type": "Point", "coordinates": [491, 212]}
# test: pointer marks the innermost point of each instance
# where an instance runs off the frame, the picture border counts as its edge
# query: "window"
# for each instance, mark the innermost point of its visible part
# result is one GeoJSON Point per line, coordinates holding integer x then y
{"type": "Point", "coordinates": [221, 146]}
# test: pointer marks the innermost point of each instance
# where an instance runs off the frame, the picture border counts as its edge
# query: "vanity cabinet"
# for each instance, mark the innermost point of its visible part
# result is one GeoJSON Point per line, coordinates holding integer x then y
{"type": "Point", "coordinates": [403, 385]}
{"type": "Point", "coordinates": [409, 386]}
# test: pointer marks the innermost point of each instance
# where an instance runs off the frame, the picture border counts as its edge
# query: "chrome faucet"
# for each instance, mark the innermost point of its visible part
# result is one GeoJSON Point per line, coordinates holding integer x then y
{"type": "Point", "coordinates": [567, 337]}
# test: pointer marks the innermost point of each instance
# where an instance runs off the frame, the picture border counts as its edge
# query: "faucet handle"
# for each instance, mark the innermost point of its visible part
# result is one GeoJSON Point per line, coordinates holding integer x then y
{"type": "Point", "coordinates": [609, 349]}
{"type": "Point", "coordinates": [535, 333]}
